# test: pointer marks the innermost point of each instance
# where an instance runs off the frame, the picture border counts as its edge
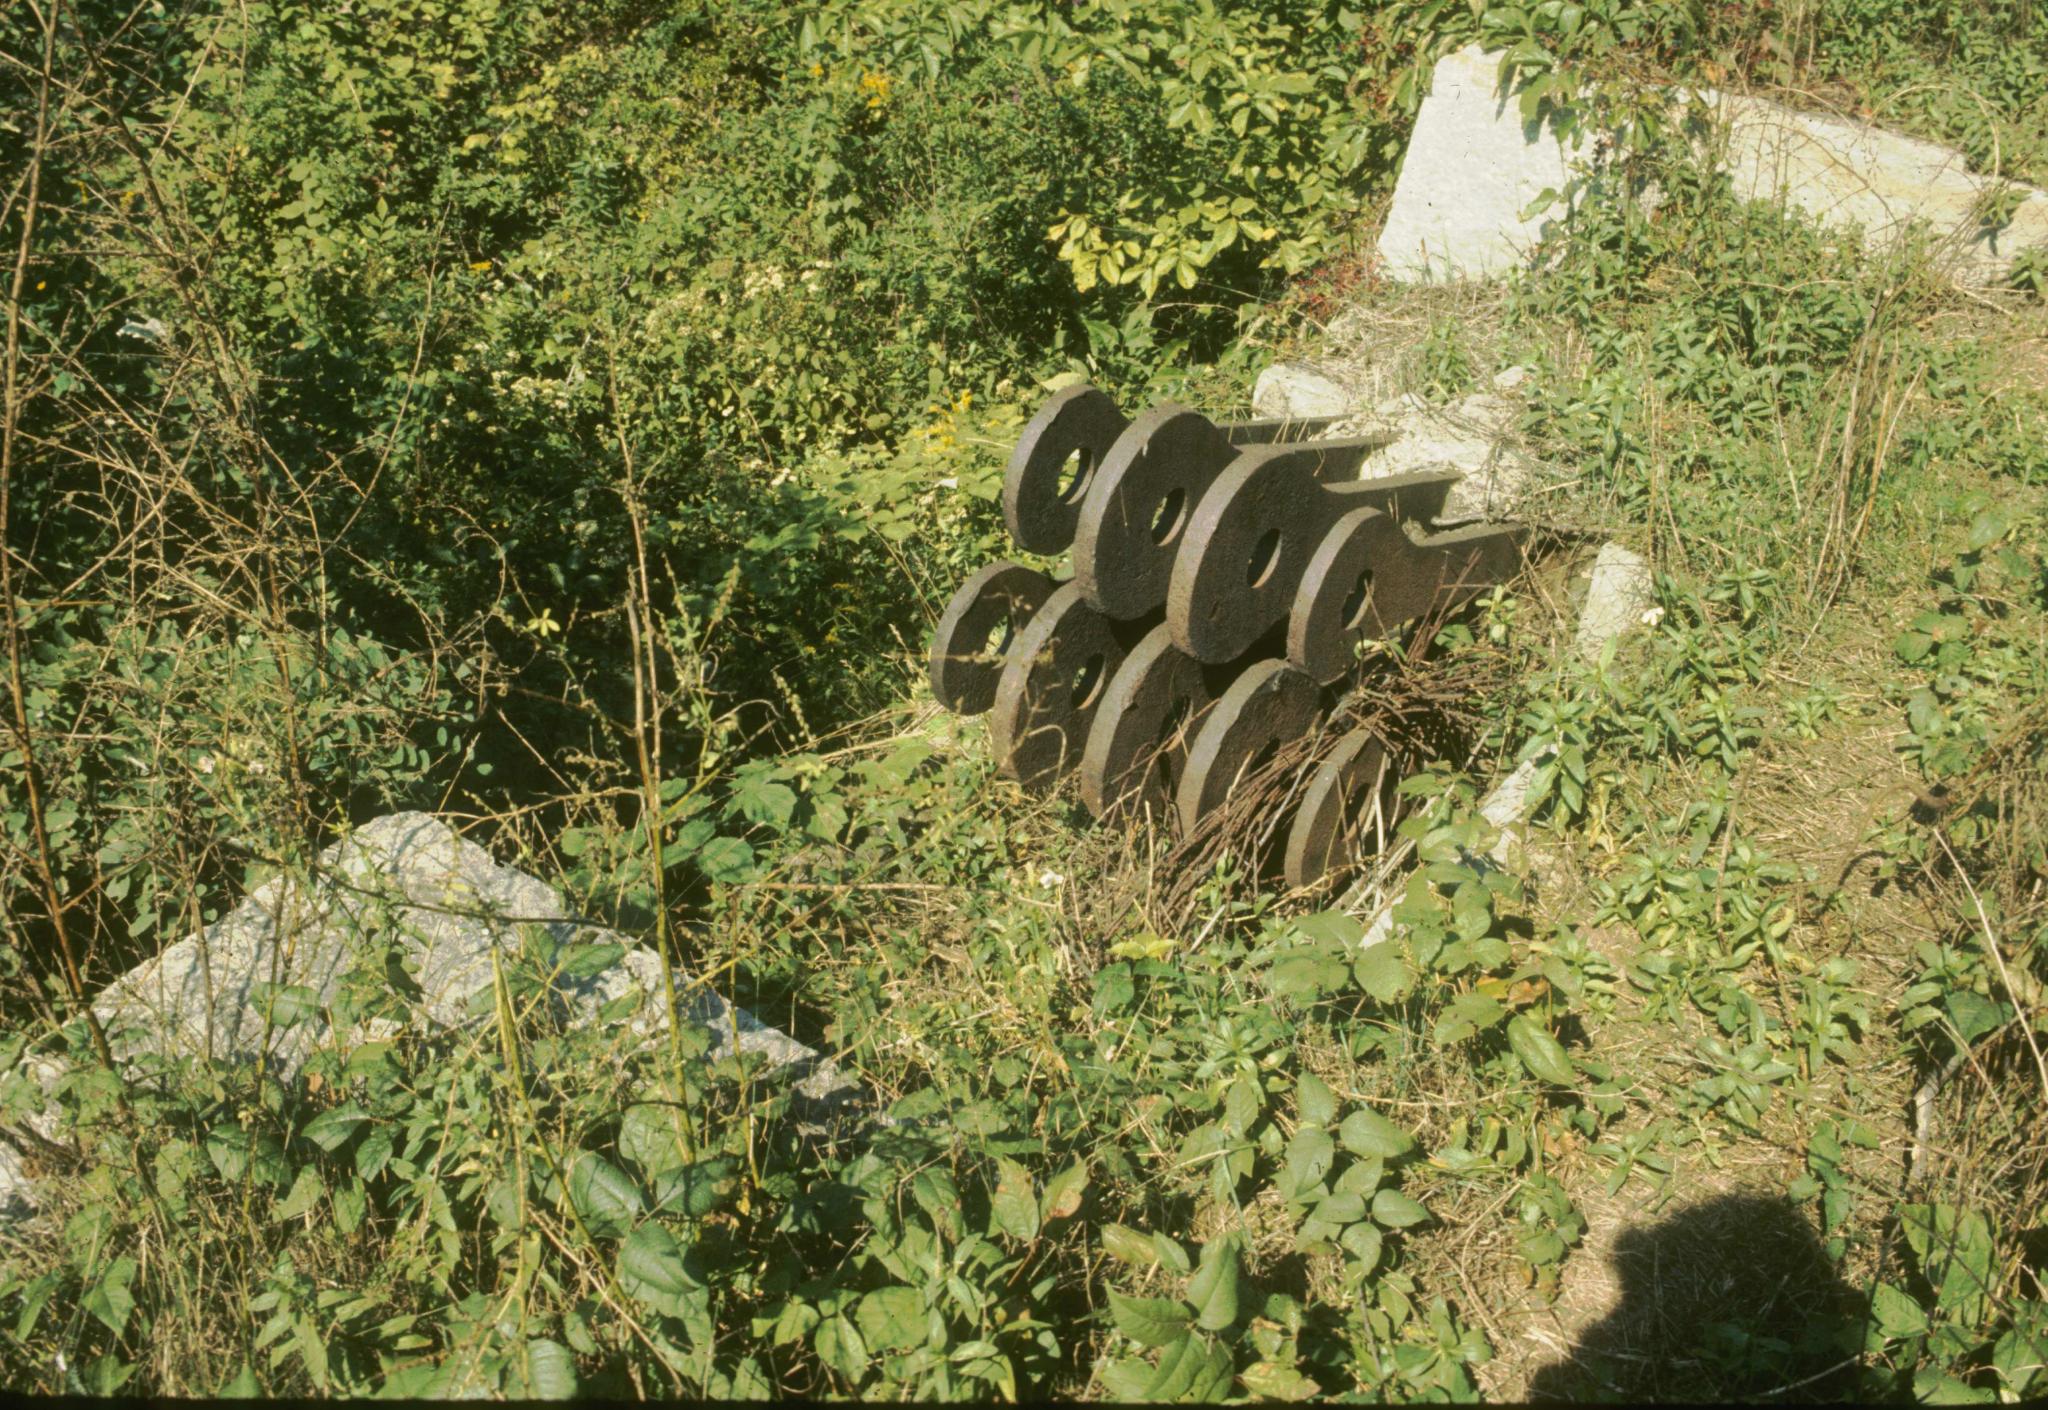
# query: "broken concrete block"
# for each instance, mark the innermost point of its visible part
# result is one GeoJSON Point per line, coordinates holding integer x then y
{"type": "Point", "coordinates": [1471, 438]}
{"type": "Point", "coordinates": [1295, 389]}
{"type": "Point", "coordinates": [1620, 593]}
{"type": "Point", "coordinates": [1844, 172]}
{"type": "Point", "coordinates": [407, 885]}
{"type": "Point", "coordinates": [409, 879]}
{"type": "Point", "coordinates": [1471, 170]}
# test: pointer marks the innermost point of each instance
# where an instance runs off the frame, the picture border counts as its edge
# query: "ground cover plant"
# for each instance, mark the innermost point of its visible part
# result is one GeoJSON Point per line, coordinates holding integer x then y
{"type": "Point", "coordinates": [567, 420]}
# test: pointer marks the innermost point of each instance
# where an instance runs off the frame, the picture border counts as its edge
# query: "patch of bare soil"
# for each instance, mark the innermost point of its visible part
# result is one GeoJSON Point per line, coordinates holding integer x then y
{"type": "Point", "coordinates": [1705, 1279]}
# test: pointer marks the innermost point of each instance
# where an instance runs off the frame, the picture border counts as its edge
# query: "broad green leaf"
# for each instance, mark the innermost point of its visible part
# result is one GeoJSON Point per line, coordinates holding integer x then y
{"type": "Point", "coordinates": [1366, 1132]}
{"type": "Point", "coordinates": [1540, 1053]}
{"type": "Point", "coordinates": [1477, 1009]}
{"type": "Point", "coordinates": [373, 1154]}
{"type": "Point", "coordinates": [1213, 1289]}
{"type": "Point", "coordinates": [840, 1347]}
{"type": "Point", "coordinates": [1309, 1156]}
{"type": "Point", "coordinates": [284, 1005]}
{"type": "Point", "coordinates": [305, 1195]}
{"type": "Point", "coordinates": [649, 1137]}
{"type": "Point", "coordinates": [1382, 971]}
{"type": "Point", "coordinates": [1127, 1379]}
{"type": "Point", "coordinates": [330, 1128]}
{"type": "Point", "coordinates": [654, 1267]}
{"type": "Point", "coordinates": [588, 961]}
{"type": "Point", "coordinates": [726, 860]}
{"type": "Point", "coordinates": [1973, 1014]}
{"type": "Point", "coordinates": [1062, 1196]}
{"type": "Point", "coordinates": [1192, 1368]}
{"type": "Point", "coordinates": [1932, 1386]}
{"type": "Point", "coordinates": [765, 801]}
{"type": "Point", "coordinates": [34, 1298]}
{"type": "Point", "coordinates": [1912, 647]}
{"type": "Point", "coordinates": [794, 1322]}
{"type": "Point", "coordinates": [106, 1375]}
{"type": "Point", "coordinates": [1127, 1244]}
{"type": "Point", "coordinates": [1243, 1103]}
{"type": "Point", "coordinates": [1149, 1321]}
{"type": "Point", "coordinates": [1314, 1101]}
{"type": "Point", "coordinates": [1170, 1253]}
{"type": "Point", "coordinates": [1334, 927]}
{"type": "Point", "coordinates": [1363, 1242]}
{"type": "Point", "coordinates": [1397, 1211]}
{"type": "Point", "coordinates": [2021, 1355]}
{"type": "Point", "coordinates": [351, 1203]}
{"type": "Point", "coordinates": [892, 1319]}
{"type": "Point", "coordinates": [938, 1196]}
{"type": "Point", "coordinates": [549, 1371]}
{"type": "Point", "coordinates": [1013, 1206]}
{"type": "Point", "coordinates": [1988, 528]}
{"type": "Point", "coordinates": [1268, 1380]}
{"type": "Point", "coordinates": [1306, 972]}
{"type": "Point", "coordinates": [228, 1149]}
{"type": "Point", "coordinates": [698, 1188]}
{"type": "Point", "coordinates": [1897, 1314]}
{"type": "Point", "coordinates": [606, 1199]}
{"type": "Point", "coordinates": [109, 1300]}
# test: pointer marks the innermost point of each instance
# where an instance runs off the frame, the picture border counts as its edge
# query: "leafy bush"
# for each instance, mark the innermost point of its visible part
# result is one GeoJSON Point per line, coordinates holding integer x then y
{"type": "Point", "coordinates": [563, 417]}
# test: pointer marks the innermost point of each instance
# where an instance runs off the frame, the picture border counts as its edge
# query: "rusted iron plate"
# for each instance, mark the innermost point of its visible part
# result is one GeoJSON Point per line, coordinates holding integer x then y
{"type": "Point", "coordinates": [1141, 497]}
{"type": "Point", "coordinates": [1346, 805]}
{"type": "Point", "coordinates": [1275, 430]}
{"type": "Point", "coordinates": [1371, 573]}
{"type": "Point", "coordinates": [1138, 507]}
{"type": "Point", "coordinates": [1052, 684]}
{"type": "Point", "coordinates": [1255, 530]}
{"type": "Point", "coordinates": [977, 628]}
{"type": "Point", "coordinates": [1137, 746]}
{"type": "Point", "coordinates": [1054, 461]}
{"type": "Point", "coordinates": [1267, 705]}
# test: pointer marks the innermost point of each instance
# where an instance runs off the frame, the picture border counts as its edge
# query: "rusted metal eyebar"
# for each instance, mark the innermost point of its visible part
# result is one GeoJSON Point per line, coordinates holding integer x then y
{"type": "Point", "coordinates": [1078, 440]}
{"type": "Point", "coordinates": [1052, 684]}
{"type": "Point", "coordinates": [1260, 526]}
{"type": "Point", "coordinates": [1224, 575]}
{"type": "Point", "coordinates": [976, 630]}
{"type": "Point", "coordinates": [1348, 800]}
{"type": "Point", "coordinates": [1267, 705]}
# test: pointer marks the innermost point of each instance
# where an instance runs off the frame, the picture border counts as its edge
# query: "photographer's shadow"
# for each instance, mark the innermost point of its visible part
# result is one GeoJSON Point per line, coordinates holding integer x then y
{"type": "Point", "coordinates": [1732, 1298]}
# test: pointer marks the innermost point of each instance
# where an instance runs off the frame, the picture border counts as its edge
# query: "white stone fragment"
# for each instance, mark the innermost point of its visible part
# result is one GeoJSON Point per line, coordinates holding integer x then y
{"type": "Point", "coordinates": [411, 882]}
{"type": "Point", "coordinates": [1295, 389]}
{"type": "Point", "coordinates": [1473, 170]}
{"type": "Point", "coordinates": [1842, 172]}
{"type": "Point", "coordinates": [1470, 438]}
{"type": "Point", "coordinates": [1617, 597]}
{"type": "Point", "coordinates": [1470, 172]}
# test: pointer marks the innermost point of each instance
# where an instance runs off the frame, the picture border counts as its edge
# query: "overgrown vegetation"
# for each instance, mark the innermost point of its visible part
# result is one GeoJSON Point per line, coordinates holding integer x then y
{"type": "Point", "coordinates": [568, 419]}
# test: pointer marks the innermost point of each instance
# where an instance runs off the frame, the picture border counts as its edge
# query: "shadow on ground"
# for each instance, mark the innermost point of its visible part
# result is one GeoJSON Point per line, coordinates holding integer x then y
{"type": "Point", "coordinates": [1729, 1299]}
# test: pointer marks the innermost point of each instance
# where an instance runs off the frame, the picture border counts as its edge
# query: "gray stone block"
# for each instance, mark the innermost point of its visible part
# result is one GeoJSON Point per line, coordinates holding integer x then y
{"type": "Point", "coordinates": [406, 882]}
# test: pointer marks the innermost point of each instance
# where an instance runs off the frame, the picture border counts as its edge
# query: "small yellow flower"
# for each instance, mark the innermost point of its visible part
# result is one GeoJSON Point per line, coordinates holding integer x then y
{"type": "Point", "coordinates": [817, 70]}
{"type": "Point", "coordinates": [480, 266]}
